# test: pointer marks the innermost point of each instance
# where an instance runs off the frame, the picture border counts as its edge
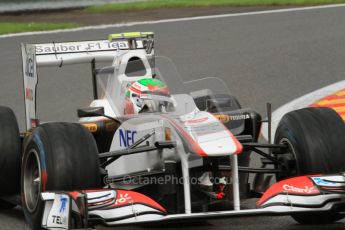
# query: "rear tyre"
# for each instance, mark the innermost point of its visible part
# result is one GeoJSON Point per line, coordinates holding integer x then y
{"type": "Point", "coordinates": [10, 155]}
{"type": "Point", "coordinates": [316, 144]}
{"type": "Point", "coordinates": [57, 157]}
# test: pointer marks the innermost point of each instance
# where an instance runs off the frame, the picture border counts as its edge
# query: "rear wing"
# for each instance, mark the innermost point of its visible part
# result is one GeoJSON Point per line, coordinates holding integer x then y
{"type": "Point", "coordinates": [58, 54]}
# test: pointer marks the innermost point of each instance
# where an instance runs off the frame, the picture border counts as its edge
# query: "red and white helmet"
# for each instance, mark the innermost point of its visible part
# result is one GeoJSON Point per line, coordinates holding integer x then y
{"type": "Point", "coordinates": [147, 95]}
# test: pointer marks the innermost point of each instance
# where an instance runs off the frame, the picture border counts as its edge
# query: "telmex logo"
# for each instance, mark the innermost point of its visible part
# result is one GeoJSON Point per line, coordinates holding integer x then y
{"type": "Point", "coordinates": [306, 189]}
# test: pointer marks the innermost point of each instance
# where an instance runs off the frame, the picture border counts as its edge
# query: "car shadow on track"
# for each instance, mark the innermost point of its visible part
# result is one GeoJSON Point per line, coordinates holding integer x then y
{"type": "Point", "coordinates": [15, 213]}
{"type": "Point", "coordinates": [12, 219]}
{"type": "Point", "coordinates": [238, 223]}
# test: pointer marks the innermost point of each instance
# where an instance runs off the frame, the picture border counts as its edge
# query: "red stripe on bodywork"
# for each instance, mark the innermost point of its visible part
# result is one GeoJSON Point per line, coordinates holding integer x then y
{"type": "Point", "coordinates": [124, 197]}
{"type": "Point", "coordinates": [301, 185]}
{"type": "Point", "coordinates": [239, 146]}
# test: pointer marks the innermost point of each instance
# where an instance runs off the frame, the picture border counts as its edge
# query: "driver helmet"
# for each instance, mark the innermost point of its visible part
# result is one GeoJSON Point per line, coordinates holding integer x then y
{"type": "Point", "coordinates": [147, 95]}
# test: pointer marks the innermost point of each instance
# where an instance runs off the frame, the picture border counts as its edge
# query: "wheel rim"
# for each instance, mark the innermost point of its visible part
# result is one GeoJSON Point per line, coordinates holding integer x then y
{"type": "Point", "coordinates": [32, 180]}
{"type": "Point", "coordinates": [289, 158]}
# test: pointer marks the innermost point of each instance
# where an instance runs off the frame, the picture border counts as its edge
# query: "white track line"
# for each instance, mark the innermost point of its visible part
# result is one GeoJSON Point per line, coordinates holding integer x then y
{"type": "Point", "coordinates": [172, 20]}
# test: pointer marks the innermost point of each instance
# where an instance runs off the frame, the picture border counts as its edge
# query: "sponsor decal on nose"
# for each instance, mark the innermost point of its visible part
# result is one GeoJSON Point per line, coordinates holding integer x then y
{"type": "Point", "coordinates": [304, 190]}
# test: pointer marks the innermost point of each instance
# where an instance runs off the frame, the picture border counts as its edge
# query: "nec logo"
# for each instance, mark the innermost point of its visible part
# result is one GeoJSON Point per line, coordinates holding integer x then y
{"type": "Point", "coordinates": [127, 137]}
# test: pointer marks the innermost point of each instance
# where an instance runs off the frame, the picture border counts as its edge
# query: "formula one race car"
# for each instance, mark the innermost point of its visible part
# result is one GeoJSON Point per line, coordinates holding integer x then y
{"type": "Point", "coordinates": [152, 148]}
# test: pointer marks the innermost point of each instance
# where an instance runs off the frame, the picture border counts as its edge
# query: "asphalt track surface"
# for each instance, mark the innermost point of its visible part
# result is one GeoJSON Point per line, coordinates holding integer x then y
{"type": "Point", "coordinates": [269, 57]}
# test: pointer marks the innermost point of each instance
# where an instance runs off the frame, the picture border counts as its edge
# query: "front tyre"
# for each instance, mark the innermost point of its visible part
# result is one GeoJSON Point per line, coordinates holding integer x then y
{"type": "Point", "coordinates": [315, 140]}
{"type": "Point", "coordinates": [57, 157]}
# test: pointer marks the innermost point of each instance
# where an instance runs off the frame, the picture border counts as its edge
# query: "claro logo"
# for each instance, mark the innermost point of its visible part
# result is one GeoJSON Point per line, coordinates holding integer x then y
{"type": "Point", "coordinates": [305, 190]}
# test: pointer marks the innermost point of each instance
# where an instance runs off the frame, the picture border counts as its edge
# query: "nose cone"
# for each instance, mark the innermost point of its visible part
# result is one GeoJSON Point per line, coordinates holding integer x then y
{"type": "Point", "coordinates": [212, 136]}
{"type": "Point", "coordinates": [222, 143]}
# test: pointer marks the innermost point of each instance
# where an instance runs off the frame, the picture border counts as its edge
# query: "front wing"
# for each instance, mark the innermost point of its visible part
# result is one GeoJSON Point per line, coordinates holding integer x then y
{"type": "Point", "coordinates": [110, 207]}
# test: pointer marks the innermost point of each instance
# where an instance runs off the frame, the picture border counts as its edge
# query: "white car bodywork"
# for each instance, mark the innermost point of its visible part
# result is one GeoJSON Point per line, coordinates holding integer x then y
{"type": "Point", "coordinates": [197, 134]}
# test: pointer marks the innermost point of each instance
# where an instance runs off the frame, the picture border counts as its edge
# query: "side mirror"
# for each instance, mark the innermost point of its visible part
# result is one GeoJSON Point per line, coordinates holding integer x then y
{"type": "Point", "coordinates": [91, 112]}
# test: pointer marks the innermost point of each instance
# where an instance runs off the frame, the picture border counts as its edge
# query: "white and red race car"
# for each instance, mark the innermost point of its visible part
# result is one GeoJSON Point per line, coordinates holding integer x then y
{"type": "Point", "coordinates": [184, 155]}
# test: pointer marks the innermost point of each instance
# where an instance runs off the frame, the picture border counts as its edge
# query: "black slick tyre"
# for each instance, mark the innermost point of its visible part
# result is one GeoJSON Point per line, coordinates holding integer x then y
{"type": "Point", "coordinates": [10, 156]}
{"type": "Point", "coordinates": [57, 157]}
{"type": "Point", "coordinates": [315, 139]}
